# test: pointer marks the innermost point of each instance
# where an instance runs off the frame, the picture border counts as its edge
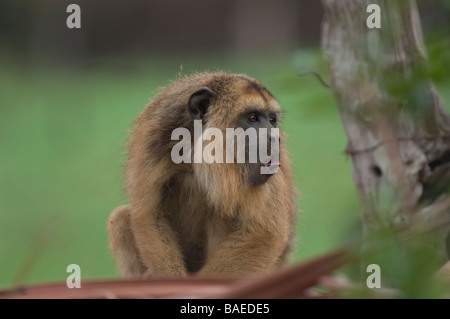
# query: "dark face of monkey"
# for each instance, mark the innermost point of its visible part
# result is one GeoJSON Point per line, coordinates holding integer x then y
{"type": "Point", "coordinates": [254, 108]}
{"type": "Point", "coordinates": [266, 120]}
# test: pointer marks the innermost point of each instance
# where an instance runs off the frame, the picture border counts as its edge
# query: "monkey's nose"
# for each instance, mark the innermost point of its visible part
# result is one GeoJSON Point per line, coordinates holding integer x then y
{"type": "Point", "coordinates": [273, 138]}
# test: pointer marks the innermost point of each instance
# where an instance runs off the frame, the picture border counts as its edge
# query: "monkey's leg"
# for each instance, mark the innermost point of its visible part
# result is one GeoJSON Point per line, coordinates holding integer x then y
{"type": "Point", "coordinates": [158, 245]}
{"type": "Point", "coordinates": [122, 243]}
{"type": "Point", "coordinates": [246, 253]}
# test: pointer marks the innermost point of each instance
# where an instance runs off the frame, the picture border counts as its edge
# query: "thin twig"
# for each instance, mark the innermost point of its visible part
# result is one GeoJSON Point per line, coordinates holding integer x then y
{"type": "Point", "coordinates": [317, 76]}
{"type": "Point", "coordinates": [42, 240]}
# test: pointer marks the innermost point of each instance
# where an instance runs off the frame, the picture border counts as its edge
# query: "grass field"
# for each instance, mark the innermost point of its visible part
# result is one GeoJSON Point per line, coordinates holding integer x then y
{"type": "Point", "coordinates": [62, 135]}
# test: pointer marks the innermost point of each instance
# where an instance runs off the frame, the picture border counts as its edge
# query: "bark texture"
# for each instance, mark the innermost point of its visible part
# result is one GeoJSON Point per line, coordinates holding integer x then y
{"type": "Point", "coordinates": [398, 131]}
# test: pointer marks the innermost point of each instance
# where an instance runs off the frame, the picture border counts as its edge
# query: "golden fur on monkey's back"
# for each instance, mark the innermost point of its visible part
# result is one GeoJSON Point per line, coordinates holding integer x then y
{"type": "Point", "coordinates": [201, 218]}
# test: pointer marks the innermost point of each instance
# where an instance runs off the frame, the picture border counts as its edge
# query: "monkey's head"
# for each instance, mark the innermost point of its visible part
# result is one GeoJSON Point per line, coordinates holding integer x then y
{"type": "Point", "coordinates": [203, 108]}
{"type": "Point", "coordinates": [248, 116]}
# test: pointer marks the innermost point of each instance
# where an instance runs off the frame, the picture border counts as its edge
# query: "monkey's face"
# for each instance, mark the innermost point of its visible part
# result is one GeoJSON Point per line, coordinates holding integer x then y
{"type": "Point", "coordinates": [259, 111]}
{"type": "Point", "coordinates": [254, 114]}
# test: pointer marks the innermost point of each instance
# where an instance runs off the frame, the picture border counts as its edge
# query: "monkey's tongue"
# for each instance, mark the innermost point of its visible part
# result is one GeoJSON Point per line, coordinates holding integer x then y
{"type": "Point", "coordinates": [274, 164]}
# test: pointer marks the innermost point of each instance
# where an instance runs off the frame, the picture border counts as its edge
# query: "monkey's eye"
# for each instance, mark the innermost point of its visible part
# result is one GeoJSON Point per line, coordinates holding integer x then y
{"type": "Point", "coordinates": [272, 120]}
{"type": "Point", "coordinates": [253, 118]}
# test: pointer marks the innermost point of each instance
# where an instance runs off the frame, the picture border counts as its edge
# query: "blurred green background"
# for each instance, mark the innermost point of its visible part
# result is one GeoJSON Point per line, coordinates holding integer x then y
{"type": "Point", "coordinates": [67, 98]}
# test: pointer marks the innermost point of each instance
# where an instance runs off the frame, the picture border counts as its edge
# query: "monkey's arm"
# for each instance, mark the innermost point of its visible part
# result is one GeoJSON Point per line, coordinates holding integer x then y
{"type": "Point", "coordinates": [158, 245]}
{"type": "Point", "coordinates": [144, 246]}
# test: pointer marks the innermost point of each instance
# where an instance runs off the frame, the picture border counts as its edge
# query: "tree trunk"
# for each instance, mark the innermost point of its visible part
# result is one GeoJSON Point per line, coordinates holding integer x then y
{"type": "Point", "coordinates": [398, 132]}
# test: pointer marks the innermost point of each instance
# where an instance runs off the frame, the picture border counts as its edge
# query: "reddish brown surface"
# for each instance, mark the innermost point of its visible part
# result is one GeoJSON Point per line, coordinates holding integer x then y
{"type": "Point", "coordinates": [293, 282]}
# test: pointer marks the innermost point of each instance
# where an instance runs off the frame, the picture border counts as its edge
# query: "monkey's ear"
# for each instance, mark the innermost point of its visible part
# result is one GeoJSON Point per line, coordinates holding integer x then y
{"type": "Point", "coordinates": [200, 101]}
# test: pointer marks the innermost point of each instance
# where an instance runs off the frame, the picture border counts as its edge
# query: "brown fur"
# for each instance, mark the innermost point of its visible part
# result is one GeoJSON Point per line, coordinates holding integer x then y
{"type": "Point", "coordinates": [200, 218]}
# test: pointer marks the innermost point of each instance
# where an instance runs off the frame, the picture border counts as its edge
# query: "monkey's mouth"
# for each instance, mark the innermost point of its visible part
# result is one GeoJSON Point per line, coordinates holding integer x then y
{"type": "Point", "coordinates": [272, 164]}
{"type": "Point", "coordinates": [270, 168]}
